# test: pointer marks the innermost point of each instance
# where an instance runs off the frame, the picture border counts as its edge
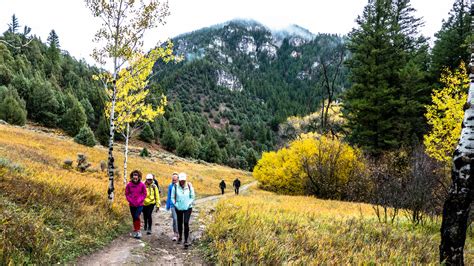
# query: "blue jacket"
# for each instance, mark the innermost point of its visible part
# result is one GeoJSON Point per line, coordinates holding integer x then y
{"type": "Point", "coordinates": [169, 202]}
{"type": "Point", "coordinates": [183, 198]}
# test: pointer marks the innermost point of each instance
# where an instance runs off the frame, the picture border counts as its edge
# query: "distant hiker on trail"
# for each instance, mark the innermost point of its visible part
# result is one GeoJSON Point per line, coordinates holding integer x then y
{"type": "Point", "coordinates": [183, 198]}
{"type": "Point", "coordinates": [170, 206]}
{"type": "Point", "coordinates": [135, 192]}
{"type": "Point", "coordinates": [152, 199]}
{"type": "Point", "coordinates": [236, 185]}
{"type": "Point", "coordinates": [222, 186]}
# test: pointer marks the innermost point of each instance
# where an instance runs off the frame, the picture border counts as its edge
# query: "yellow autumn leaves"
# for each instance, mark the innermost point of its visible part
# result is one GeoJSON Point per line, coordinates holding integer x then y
{"type": "Point", "coordinates": [445, 114]}
{"type": "Point", "coordinates": [311, 163]}
{"type": "Point", "coordinates": [132, 88]}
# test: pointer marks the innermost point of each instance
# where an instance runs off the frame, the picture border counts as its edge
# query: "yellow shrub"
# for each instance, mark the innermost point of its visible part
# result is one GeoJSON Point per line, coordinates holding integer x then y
{"type": "Point", "coordinates": [311, 164]}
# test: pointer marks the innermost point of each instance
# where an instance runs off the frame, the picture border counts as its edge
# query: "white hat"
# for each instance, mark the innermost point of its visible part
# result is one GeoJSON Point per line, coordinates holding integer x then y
{"type": "Point", "coordinates": [181, 176]}
{"type": "Point", "coordinates": [149, 176]}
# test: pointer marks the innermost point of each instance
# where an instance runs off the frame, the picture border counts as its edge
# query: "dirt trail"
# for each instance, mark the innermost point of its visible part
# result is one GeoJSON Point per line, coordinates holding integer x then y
{"type": "Point", "coordinates": [157, 248]}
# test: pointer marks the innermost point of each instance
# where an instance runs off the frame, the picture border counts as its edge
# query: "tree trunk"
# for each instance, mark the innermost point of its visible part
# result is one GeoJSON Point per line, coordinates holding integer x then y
{"type": "Point", "coordinates": [125, 161]}
{"type": "Point", "coordinates": [110, 164]}
{"type": "Point", "coordinates": [457, 205]}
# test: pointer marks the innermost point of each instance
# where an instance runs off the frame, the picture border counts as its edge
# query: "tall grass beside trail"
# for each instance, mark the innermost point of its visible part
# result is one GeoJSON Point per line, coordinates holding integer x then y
{"type": "Point", "coordinates": [263, 228]}
{"type": "Point", "coordinates": [49, 219]}
{"type": "Point", "coordinates": [49, 214]}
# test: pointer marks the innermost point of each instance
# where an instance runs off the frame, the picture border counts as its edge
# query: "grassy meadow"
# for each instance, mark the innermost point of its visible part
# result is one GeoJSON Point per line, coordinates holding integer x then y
{"type": "Point", "coordinates": [269, 229]}
{"type": "Point", "coordinates": [50, 214]}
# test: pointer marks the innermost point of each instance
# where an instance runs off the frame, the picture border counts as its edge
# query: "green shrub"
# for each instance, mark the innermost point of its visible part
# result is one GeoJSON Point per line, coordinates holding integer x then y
{"type": "Point", "coordinates": [145, 153]}
{"type": "Point", "coordinates": [85, 137]}
{"type": "Point", "coordinates": [147, 134]}
{"type": "Point", "coordinates": [12, 112]}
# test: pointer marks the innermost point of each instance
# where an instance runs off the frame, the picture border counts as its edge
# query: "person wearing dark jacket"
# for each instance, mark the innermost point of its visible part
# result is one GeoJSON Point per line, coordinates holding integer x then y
{"type": "Point", "coordinates": [222, 186]}
{"type": "Point", "coordinates": [236, 185]}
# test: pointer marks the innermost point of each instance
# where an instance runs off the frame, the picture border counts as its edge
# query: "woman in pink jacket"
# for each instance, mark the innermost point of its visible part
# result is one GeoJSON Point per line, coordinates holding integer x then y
{"type": "Point", "coordinates": [135, 191]}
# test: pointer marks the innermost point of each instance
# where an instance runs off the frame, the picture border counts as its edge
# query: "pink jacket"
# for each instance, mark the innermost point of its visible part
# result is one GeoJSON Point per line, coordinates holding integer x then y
{"type": "Point", "coordinates": [135, 193]}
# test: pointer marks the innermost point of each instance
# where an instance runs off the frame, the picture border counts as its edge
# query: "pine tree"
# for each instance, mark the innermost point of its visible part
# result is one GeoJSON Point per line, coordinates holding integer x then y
{"type": "Point", "coordinates": [450, 46]}
{"type": "Point", "coordinates": [188, 147]}
{"type": "Point", "coordinates": [74, 118]}
{"type": "Point", "coordinates": [170, 139]}
{"type": "Point", "coordinates": [12, 111]}
{"type": "Point", "coordinates": [147, 134]}
{"type": "Point", "coordinates": [85, 136]}
{"type": "Point", "coordinates": [89, 111]}
{"type": "Point", "coordinates": [102, 132]}
{"type": "Point", "coordinates": [53, 40]}
{"type": "Point", "coordinates": [380, 100]}
{"type": "Point", "coordinates": [42, 104]}
{"type": "Point", "coordinates": [14, 25]}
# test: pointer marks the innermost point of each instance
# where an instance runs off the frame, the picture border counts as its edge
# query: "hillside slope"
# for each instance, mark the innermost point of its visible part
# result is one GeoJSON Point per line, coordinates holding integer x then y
{"type": "Point", "coordinates": [52, 214]}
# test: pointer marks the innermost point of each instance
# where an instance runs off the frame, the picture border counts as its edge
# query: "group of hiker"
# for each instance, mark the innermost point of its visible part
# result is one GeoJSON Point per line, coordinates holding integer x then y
{"type": "Point", "coordinates": [235, 184]}
{"type": "Point", "coordinates": [144, 197]}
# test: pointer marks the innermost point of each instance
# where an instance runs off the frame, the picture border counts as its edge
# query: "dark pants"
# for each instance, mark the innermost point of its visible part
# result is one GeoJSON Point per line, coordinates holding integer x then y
{"type": "Point", "coordinates": [147, 213]}
{"type": "Point", "coordinates": [136, 211]}
{"type": "Point", "coordinates": [236, 189]}
{"type": "Point", "coordinates": [222, 190]}
{"type": "Point", "coordinates": [184, 216]}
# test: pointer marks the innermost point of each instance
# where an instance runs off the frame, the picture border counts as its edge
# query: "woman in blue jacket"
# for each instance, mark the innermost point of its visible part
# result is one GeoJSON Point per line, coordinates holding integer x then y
{"type": "Point", "coordinates": [183, 196]}
{"type": "Point", "coordinates": [170, 206]}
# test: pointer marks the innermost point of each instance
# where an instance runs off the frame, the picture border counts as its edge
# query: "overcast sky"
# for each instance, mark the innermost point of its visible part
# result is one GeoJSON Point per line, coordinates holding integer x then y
{"type": "Point", "coordinates": [75, 25]}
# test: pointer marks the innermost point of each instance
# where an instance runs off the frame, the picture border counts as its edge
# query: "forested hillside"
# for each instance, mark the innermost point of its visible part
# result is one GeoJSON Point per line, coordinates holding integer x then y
{"type": "Point", "coordinates": [45, 83]}
{"type": "Point", "coordinates": [239, 81]}
{"type": "Point", "coordinates": [236, 83]}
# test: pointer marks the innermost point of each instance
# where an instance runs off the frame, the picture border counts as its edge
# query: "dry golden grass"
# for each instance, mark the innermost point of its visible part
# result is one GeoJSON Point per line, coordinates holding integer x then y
{"type": "Point", "coordinates": [64, 213]}
{"type": "Point", "coordinates": [264, 228]}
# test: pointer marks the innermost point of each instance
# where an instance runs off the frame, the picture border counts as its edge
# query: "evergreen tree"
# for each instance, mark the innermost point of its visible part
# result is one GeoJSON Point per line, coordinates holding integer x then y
{"type": "Point", "coordinates": [147, 134]}
{"type": "Point", "coordinates": [450, 46]}
{"type": "Point", "coordinates": [53, 40]}
{"type": "Point", "coordinates": [89, 111]}
{"type": "Point", "coordinates": [85, 137]}
{"type": "Point", "coordinates": [188, 147]}
{"type": "Point", "coordinates": [380, 100]}
{"type": "Point", "coordinates": [102, 132]}
{"type": "Point", "coordinates": [211, 151]}
{"type": "Point", "coordinates": [12, 111]}
{"type": "Point", "coordinates": [74, 118]}
{"type": "Point", "coordinates": [144, 152]}
{"type": "Point", "coordinates": [170, 139]}
{"type": "Point", "coordinates": [42, 104]}
{"type": "Point", "coordinates": [14, 25]}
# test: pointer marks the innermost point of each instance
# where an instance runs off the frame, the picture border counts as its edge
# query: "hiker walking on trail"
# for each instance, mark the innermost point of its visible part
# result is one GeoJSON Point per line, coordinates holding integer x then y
{"type": "Point", "coordinates": [222, 186]}
{"type": "Point", "coordinates": [152, 199]}
{"type": "Point", "coordinates": [170, 206]}
{"type": "Point", "coordinates": [236, 185]}
{"type": "Point", "coordinates": [183, 197]}
{"type": "Point", "coordinates": [135, 192]}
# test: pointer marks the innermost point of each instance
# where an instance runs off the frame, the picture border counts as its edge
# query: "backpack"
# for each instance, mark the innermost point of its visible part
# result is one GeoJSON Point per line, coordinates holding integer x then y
{"type": "Point", "coordinates": [176, 189]}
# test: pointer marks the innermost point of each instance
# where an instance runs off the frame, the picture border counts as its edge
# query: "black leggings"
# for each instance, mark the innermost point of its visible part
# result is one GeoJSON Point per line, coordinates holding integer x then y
{"type": "Point", "coordinates": [147, 212]}
{"type": "Point", "coordinates": [184, 216]}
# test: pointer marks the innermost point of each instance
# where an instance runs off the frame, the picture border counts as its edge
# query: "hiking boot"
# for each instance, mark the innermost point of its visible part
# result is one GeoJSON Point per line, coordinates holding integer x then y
{"type": "Point", "coordinates": [179, 240]}
{"type": "Point", "coordinates": [174, 238]}
{"type": "Point", "coordinates": [139, 235]}
{"type": "Point", "coordinates": [186, 244]}
{"type": "Point", "coordinates": [148, 232]}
